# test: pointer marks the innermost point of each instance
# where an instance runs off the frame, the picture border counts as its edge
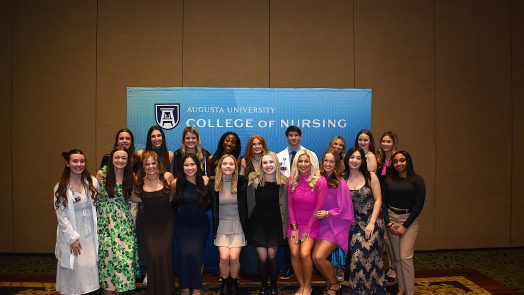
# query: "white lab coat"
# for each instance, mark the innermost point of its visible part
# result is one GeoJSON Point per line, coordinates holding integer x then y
{"type": "Point", "coordinates": [66, 230]}
{"type": "Point", "coordinates": [284, 160]}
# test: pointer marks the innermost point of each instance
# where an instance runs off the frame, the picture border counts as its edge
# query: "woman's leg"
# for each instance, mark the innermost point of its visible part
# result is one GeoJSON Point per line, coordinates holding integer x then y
{"type": "Point", "coordinates": [306, 263]}
{"type": "Point", "coordinates": [320, 258]}
{"type": "Point", "coordinates": [223, 265]}
{"type": "Point", "coordinates": [294, 250]}
{"type": "Point", "coordinates": [234, 262]}
{"type": "Point", "coordinates": [407, 249]}
{"type": "Point", "coordinates": [262, 265]}
{"type": "Point", "coordinates": [273, 265]}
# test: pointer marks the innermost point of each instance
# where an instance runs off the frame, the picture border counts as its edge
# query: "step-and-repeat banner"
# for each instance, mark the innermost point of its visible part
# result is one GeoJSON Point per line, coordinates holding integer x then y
{"type": "Point", "coordinates": [321, 113]}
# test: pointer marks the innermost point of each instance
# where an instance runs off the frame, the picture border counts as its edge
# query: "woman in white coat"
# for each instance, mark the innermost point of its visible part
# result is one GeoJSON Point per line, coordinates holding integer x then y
{"type": "Point", "coordinates": [76, 234]}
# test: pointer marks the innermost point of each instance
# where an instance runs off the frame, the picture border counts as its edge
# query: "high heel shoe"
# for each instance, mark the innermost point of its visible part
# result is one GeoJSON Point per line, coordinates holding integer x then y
{"type": "Point", "coordinates": [333, 290]}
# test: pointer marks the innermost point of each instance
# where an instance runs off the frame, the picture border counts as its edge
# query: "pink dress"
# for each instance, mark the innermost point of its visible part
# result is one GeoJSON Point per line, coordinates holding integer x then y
{"type": "Point", "coordinates": [335, 228]}
{"type": "Point", "coordinates": [302, 203]}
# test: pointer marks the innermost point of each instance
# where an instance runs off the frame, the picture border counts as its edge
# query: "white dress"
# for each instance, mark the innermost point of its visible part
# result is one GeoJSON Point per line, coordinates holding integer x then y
{"type": "Point", "coordinates": [83, 278]}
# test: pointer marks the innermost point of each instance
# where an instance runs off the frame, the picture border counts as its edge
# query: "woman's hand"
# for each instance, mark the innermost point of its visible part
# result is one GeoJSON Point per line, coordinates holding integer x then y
{"type": "Point", "coordinates": [304, 237]}
{"type": "Point", "coordinates": [294, 236]}
{"type": "Point", "coordinates": [76, 247]}
{"type": "Point", "coordinates": [369, 229]}
{"type": "Point", "coordinates": [321, 214]}
{"type": "Point", "coordinates": [400, 230]}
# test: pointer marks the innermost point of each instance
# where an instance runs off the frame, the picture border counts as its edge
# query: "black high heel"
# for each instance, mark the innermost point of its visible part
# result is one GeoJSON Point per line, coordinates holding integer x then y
{"type": "Point", "coordinates": [338, 291]}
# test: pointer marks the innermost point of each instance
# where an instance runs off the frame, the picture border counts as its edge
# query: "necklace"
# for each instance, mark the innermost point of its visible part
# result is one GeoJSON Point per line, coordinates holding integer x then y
{"type": "Point", "coordinates": [151, 180]}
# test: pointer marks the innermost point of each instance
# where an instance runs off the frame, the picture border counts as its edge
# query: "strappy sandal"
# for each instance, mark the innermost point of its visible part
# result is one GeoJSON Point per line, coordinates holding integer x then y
{"type": "Point", "coordinates": [338, 291]}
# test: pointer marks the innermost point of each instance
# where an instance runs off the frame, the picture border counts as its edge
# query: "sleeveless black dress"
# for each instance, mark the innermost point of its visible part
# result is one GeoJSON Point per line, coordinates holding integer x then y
{"type": "Point", "coordinates": [192, 230]}
{"type": "Point", "coordinates": [157, 228]}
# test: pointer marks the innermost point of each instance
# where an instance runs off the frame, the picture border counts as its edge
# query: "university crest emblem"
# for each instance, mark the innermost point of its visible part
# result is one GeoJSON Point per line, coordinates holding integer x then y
{"type": "Point", "coordinates": [167, 116]}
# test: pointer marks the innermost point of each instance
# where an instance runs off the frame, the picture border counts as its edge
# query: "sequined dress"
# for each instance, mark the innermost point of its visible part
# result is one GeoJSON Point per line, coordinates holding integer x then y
{"type": "Point", "coordinates": [366, 269]}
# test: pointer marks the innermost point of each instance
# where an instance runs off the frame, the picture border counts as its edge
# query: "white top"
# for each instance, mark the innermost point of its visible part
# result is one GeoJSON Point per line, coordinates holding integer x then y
{"type": "Point", "coordinates": [77, 274]}
{"type": "Point", "coordinates": [284, 160]}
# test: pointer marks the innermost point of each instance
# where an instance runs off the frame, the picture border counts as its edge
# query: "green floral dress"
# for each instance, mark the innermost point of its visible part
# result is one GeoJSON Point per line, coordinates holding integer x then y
{"type": "Point", "coordinates": [117, 250]}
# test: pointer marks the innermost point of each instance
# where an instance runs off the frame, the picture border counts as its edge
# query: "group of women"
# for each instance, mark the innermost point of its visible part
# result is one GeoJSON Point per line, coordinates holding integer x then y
{"type": "Point", "coordinates": [350, 207]}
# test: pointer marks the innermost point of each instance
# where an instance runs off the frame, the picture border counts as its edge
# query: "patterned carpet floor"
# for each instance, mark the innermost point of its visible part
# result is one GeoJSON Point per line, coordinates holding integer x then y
{"type": "Point", "coordinates": [505, 266]}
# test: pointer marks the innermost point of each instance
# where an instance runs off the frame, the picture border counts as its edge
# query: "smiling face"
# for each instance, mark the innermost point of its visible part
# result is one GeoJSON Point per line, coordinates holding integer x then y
{"type": "Point", "coordinates": [190, 167]}
{"type": "Point", "coordinates": [190, 141]}
{"type": "Point", "coordinates": [329, 163]}
{"type": "Point", "coordinates": [364, 141]}
{"type": "Point", "coordinates": [257, 146]}
{"type": "Point", "coordinates": [228, 166]}
{"type": "Point", "coordinates": [124, 140]}
{"type": "Point", "coordinates": [151, 166]}
{"type": "Point", "coordinates": [303, 165]}
{"type": "Point", "coordinates": [156, 139]}
{"type": "Point", "coordinates": [338, 146]}
{"type": "Point", "coordinates": [268, 165]}
{"type": "Point", "coordinates": [355, 160]}
{"type": "Point", "coordinates": [400, 163]}
{"type": "Point", "coordinates": [293, 139]}
{"type": "Point", "coordinates": [387, 143]}
{"type": "Point", "coordinates": [229, 144]}
{"type": "Point", "coordinates": [77, 163]}
{"type": "Point", "coordinates": [120, 159]}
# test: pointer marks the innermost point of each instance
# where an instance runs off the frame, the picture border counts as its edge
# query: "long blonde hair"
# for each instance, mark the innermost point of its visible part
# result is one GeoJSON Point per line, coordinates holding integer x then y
{"type": "Point", "coordinates": [218, 174]}
{"type": "Point", "coordinates": [259, 177]}
{"type": "Point", "coordinates": [200, 155]}
{"type": "Point", "coordinates": [294, 175]}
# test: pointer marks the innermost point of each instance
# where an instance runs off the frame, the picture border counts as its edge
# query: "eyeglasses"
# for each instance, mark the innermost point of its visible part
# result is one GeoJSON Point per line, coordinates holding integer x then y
{"type": "Point", "coordinates": [401, 160]}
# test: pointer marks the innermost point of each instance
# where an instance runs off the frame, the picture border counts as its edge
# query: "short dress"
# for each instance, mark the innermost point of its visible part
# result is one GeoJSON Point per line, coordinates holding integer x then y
{"type": "Point", "coordinates": [303, 203]}
{"type": "Point", "coordinates": [265, 225]}
{"type": "Point", "coordinates": [229, 232]}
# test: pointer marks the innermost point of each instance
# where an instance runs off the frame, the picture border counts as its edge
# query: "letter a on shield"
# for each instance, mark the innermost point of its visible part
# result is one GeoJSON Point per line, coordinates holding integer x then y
{"type": "Point", "coordinates": [167, 115]}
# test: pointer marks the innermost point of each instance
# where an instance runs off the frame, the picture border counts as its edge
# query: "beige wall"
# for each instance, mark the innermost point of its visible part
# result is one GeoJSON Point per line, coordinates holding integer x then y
{"type": "Point", "coordinates": [446, 76]}
{"type": "Point", "coordinates": [6, 173]}
{"type": "Point", "coordinates": [517, 159]}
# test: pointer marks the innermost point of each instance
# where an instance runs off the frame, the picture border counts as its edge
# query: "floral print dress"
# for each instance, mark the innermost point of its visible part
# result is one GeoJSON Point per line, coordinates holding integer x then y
{"type": "Point", "coordinates": [117, 250]}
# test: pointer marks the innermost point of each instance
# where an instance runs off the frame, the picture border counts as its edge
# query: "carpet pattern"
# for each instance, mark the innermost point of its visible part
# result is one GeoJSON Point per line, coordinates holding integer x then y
{"type": "Point", "coordinates": [438, 285]}
{"type": "Point", "coordinates": [503, 265]}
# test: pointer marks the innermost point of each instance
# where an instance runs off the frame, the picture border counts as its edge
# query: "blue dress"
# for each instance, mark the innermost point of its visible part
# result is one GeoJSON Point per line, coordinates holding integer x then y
{"type": "Point", "coordinates": [191, 232]}
{"type": "Point", "coordinates": [366, 269]}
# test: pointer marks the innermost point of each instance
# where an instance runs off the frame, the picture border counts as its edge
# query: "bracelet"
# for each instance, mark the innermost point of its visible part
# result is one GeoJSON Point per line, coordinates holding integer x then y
{"type": "Point", "coordinates": [294, 226]}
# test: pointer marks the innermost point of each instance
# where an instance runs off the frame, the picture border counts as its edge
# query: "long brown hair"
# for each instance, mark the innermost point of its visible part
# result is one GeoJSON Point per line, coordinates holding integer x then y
{"type": "Point", "coordinates": [163, 146]}
{"type": "Point", "coordinates": [127, 180]}
{"type": "Point", "coordinates": [200, 155]}
{"type": "Point", "coordinates": [249, 150]}
{"type": "Point", "coordinates": [333, 181]}
{"type": "Point", "coordinates": [381, 154]}
{"type": "Point", "coordinates": [63, 183]}
{"type": "Point", "coordinates": [139, 185]}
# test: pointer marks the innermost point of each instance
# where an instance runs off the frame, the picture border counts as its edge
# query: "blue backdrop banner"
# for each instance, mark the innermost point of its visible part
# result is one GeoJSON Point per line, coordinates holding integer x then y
{"type": "Point", "coordinates": [321, 113]}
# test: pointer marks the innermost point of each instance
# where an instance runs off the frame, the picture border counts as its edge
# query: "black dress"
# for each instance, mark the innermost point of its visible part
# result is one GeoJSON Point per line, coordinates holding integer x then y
{"type": "Point", "coordinates": [192, 230]}
{"type": "Point", "coordinates": [158, 226]}
{"type": "Point", "coordinates": [265, 224]}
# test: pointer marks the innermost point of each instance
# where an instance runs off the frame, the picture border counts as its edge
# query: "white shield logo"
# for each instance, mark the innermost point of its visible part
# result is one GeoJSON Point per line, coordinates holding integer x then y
{"type": "Point", "coordinates": [167, 116]}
